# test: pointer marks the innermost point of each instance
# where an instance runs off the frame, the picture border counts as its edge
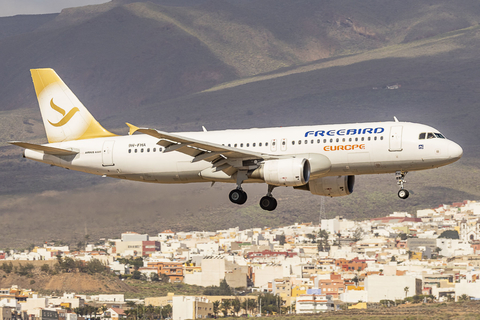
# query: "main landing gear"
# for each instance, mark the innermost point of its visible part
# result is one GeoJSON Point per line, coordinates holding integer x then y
{"type": "Point", "coordinates": [239, 196]}
{"type": "Point", "coordinates": [400, 177]}
{"type": "Point", "coordinates": [267, 202]}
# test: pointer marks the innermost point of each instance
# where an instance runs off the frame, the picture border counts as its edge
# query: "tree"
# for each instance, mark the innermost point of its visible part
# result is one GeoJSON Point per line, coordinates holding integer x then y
{"type": "Point", "coordinates": [136, 275]}
{"type": "Point", "coordinates": [449, 234]}
{"type": "Point", "coordinates": [216, 307]}
{"type": "Point", "coordinates": [281, 238]}
{"type": "Point", "coordinates": [236, 306]}
{"type": "Point", "coordinates": [225, 306]}
{"type": "Point", "coordinates": [167, 311]}
{"type": "Point", "coordinates": [222, 290]}
{"type": "Point", "coordinates": [356, 280]}
{"type": "Point", "coordinates": [463, 298]}
{"type": "Point", "coordinates": [311, 237]}
{"type": "Point", "coordinates": [406, 291]}
{"type": "Point", "coordinates": [357, 234]}
{"type": "Point", "coordinates": [154, 277]}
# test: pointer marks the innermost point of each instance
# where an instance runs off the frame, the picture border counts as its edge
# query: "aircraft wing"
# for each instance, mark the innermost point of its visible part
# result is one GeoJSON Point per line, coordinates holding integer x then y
{"type": "Point", "coordinates": [222, 157]}
{"type": "Point", "coordinates": [45, 149]}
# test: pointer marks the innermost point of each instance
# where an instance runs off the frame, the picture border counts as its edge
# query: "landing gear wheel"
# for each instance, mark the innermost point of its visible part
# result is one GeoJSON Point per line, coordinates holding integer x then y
{"type": "Point", "coordinates": [268, 203]}
{"type": "Point", "coordinates": [238, 196]}
{"type": "Point", "coordinates": [403, 194]}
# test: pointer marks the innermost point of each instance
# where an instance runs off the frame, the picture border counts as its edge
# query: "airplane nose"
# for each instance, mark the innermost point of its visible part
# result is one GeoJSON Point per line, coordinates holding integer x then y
{"type": "Point", "coordinates": [455, 151]}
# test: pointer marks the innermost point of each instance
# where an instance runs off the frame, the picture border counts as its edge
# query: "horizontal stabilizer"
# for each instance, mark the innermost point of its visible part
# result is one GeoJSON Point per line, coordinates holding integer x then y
{"type": "Point", "coordinates": [45, 149]}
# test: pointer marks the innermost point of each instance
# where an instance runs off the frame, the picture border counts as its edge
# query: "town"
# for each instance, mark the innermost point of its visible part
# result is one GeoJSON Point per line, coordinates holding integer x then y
{"type": "Point", "coordinates": [430, 256]}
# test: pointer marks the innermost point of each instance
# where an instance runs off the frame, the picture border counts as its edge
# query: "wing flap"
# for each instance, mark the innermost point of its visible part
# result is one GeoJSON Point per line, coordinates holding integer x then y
{"type": "Point", "coordinates": [45, 149]}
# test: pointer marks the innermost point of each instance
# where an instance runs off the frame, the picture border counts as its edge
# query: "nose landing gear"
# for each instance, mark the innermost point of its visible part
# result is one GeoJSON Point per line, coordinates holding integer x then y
{"type": "Point", "coordinates": [400, 177]}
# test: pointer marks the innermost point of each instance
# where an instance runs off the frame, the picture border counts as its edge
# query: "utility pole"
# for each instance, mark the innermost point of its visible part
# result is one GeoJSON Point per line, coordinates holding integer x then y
{"type": "Point", "coordinates": [322, 210]}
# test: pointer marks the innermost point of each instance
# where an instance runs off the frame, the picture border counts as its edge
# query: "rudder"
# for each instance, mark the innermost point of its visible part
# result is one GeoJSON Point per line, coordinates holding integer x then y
{"type": "Point", "coordinates": [65, 118]}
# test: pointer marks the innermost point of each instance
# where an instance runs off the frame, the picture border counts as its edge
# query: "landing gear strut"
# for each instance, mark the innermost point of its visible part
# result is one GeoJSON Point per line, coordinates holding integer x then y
{"type": "Point", "coordinates": [268, 202]}
{"type": "Point", "coordinates": [237, 195]}
{"type": "Point", "coordinates": [400, 177]}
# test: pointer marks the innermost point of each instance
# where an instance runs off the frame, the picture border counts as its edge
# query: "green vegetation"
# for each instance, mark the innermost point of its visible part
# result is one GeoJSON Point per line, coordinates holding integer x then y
{"type": "Point", "coordinates": [449, 234]}
{"type": "Point", "coordinates": [70, 265]}
{"type": "Point", "coordinates": [222, 290]}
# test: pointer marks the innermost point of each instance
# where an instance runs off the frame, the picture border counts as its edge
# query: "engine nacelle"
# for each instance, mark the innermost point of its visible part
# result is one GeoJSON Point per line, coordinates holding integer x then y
{"type": "Point", "coordinates": [284, 172]}
{"type": "Point", "coordinates": [336, 186]}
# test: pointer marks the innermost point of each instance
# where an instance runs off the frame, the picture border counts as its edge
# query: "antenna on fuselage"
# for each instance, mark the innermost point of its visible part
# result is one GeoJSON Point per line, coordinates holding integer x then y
{"type": "Point", "coordinates": [395, 118]}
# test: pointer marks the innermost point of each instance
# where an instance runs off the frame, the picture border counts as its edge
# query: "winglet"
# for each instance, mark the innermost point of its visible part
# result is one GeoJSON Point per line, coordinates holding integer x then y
{"type": "Point", "coordinates": [133, 128]}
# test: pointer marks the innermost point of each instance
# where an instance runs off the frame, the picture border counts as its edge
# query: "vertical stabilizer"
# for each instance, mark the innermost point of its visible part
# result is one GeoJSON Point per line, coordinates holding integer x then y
{"type": "Point", "coordinates": [64, 116]}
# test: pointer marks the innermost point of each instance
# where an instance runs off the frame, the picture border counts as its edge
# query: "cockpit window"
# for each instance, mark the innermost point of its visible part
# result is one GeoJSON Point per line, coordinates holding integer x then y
{"type": "Point", "coordinates": [422, 136]}
{"type": "Point", "coordinates": [439, 135]}
{"type": "Point", "coordinates": [430, 135]}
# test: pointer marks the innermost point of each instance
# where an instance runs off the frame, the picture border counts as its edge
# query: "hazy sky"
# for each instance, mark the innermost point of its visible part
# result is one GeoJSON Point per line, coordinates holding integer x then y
{"type": "Point", "coordinates": [14, 7]}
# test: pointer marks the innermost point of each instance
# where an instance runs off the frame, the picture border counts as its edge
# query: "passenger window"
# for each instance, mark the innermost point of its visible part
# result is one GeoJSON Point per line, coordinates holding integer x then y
{"type": "Point", "coordinates": [229, 145]}
{"type": "Point", "coordinates": [356, 139]}
{"type": "Point", "coordinates": [311, 141]}
{"type": "Point", "coordinates": [135, 150]}
{"type": "Point", "coordinates": [368, 138]}
{"type": "Point", "coordinates": [318, 140]}
{"type": "Point", "coordinates": [324, 140]}
{"type": "Point", "coordinates": [381, 138]}
{"type": "Point", "coordinates": [253, 145]}
{"type": "Point", "coordinates": [363, 138]}
{"type": "Point", "coordinates": [331, 140]}
{"type": "Point", "coordinates": [349, 139]}
{"type": "Point", "coordinates": [375, 138]}
{"type": "Point", "coordinates": [248, 144]}
{"type": "Point", "coordinates": [421, 136]}
{"type": "Point", "coordinates": [306, 141]}
{"type": "Point", "coordinates": [299, 141]}
{"type": "Point", "coordinates": [293, 142]}
{"type": "Point", "coordinates": [129, 150]}
{"type": "Point", "coordinates": [141, 150]}
{"type": "Point", "coordinates": [148, 149]}
{"type": "Point", "coordinates": [260, 144]}
{"type": "Point", "coordinates": [283, 142]}
{"type": "Point", "coordinates": [338, 139]}
{"type": "Point", "coordinates": [266, 144]}
{"type": "Point", "coordinates": [273, 143]}
{"type": "Point", "coordinates": [241, 145]}
{"type": "Point", "coordinates": [343, 140]}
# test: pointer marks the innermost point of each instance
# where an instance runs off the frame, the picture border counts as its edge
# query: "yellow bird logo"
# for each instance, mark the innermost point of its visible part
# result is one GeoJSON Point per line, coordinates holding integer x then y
{"type": "Point", "coordinates": [66, 118]}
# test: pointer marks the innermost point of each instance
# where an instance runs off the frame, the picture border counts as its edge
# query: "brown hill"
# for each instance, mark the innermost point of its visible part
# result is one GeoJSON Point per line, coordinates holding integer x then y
{"type": "Point", "coordinates": [63, 282]}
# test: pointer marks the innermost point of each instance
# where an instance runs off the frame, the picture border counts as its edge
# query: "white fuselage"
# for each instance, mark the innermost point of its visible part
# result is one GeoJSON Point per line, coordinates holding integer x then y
{"type": "Point", "coordinates": [353, 149]}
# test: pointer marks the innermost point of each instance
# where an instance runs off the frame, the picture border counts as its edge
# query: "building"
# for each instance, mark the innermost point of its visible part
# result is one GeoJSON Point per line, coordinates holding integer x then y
{"type": "Point", "coordinates": [333, 286]}
{"type": "Point", "coordinates": [313, 303]}
{"type": "Point", "coordinates": [173, 270]}
{"type": "Point", "coordinates": [189, 307]}
{"type": "Point", "coordinates": [381, 287]}
{"type": "Point", "coordinates": [351, 265]}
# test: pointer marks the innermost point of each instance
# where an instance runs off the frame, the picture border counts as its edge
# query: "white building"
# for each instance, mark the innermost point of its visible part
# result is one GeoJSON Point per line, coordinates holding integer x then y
{"type": "Point", "coordinates": [188, 307]}
{"type": "Point", "coordinates": [391, 287]}
{"type": "Point", "coordinates": [313, 303]}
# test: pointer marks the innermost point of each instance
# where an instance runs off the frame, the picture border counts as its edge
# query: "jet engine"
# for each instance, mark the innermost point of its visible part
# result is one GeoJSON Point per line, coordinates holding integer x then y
{"type": "Point", "coordinates": [335, 186]}
{"type": "Point", "coordinates": [284, 172]}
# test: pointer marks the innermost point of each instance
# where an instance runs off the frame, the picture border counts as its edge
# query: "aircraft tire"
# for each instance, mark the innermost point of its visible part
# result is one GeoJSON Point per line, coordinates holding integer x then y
{"type": "Point", "coordinates": [268, 203]}
{"type": "Point", "coordinates": [403, 194]}
{"type": "Point", "coordinates": [238, 196]}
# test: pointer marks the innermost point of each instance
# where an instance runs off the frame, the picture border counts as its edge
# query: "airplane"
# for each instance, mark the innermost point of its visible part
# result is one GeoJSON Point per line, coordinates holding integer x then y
{"type": "Point", "coordinates": [322, 159]}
